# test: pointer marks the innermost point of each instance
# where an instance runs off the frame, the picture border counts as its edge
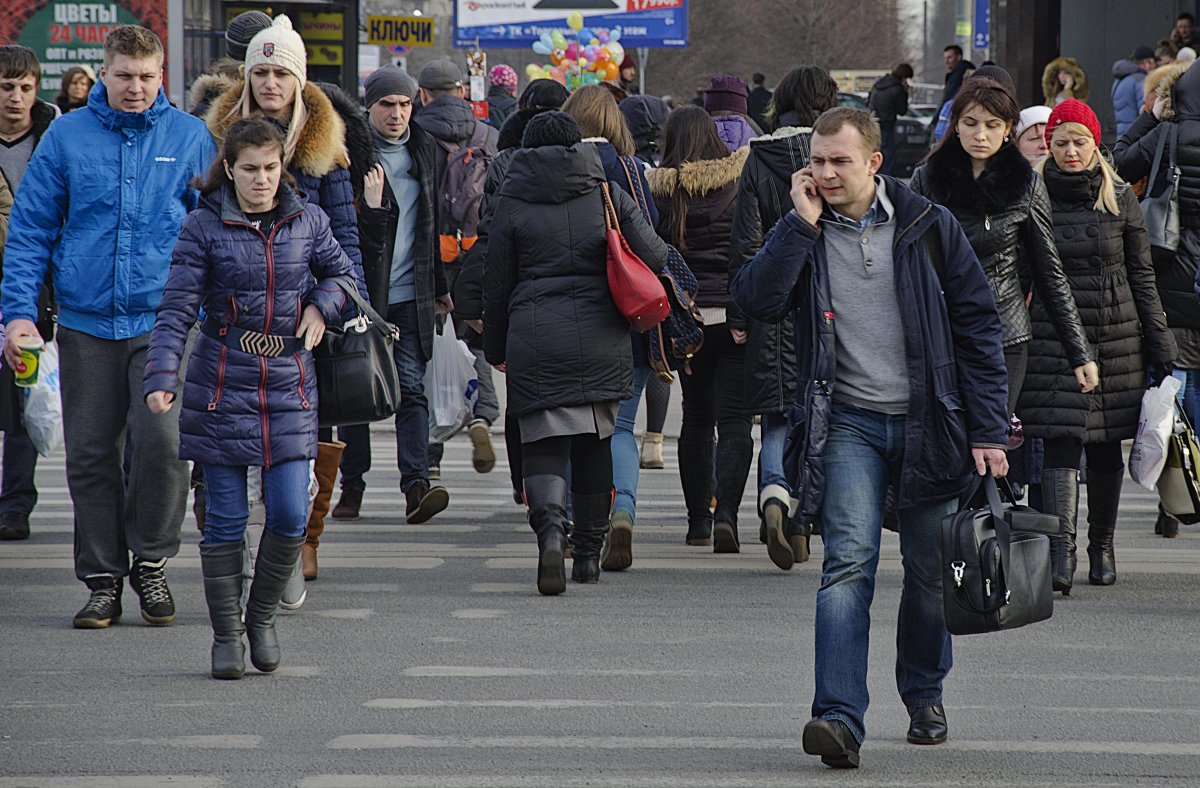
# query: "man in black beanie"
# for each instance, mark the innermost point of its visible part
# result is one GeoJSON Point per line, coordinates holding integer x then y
{"type": "Point", "coordinates": [551, 128]}
{"type": "Point", "coordinates": [405, 281]}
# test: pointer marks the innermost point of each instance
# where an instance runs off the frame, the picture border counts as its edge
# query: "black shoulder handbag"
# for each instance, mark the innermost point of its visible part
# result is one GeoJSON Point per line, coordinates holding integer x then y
{"type": "Point", "coordinates": [995, 562]}
{"type": "Point", "coordinates": [357, 382]}
{"type": "Point", "coordinates": [1161, 209]}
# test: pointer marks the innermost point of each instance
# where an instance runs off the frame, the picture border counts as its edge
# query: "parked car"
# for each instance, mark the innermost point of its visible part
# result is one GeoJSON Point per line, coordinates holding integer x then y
{"type": "Point", "coordinates": [914, 132]}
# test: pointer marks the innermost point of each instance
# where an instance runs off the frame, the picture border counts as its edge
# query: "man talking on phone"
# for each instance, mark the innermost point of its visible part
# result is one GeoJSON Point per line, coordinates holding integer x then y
{"type": "Point", "coordinates": [902, 382]}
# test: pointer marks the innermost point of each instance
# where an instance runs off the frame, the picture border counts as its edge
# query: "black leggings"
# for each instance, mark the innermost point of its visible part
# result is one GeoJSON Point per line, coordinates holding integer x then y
{"type": "Point", "coordinates": [1016, 357]}
{"type": "Point", "coordinates": [1101, 457]}
{"type": "Point", "coordinates": [658, 399]}
{"type": "Point", "coordinates": [589, 455]}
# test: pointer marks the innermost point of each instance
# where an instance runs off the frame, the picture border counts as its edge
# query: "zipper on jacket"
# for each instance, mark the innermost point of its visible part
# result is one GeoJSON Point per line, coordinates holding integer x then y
{"type": "Point", "coordinates": [300, 387]}
{"type": "Point", "coordinates": [263, 418]}
{"type": "Point", "coordinates": [216, 398]}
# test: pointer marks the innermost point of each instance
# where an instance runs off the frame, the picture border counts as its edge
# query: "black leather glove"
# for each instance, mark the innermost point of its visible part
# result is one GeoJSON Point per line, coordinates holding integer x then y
{"type": "Point", "coordinates": [1157, 373]}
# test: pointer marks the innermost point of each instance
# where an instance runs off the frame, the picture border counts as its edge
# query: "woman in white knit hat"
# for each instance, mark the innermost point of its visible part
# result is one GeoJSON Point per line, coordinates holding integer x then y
{"type": "Point", "coordinates": [276, 86]}
{"type": "Point", "coordinates": [1030, 134]}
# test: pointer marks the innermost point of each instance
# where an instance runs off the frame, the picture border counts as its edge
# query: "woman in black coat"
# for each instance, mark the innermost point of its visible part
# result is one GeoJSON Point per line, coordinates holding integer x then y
{"type": "Point", "coordinates": [1101, 239]}
{"type": "Point", "coordinates": [1002, 205]}
{"type": "Point", "coordinates": [695, 189]}
{"type": "Point", "coordinates": [551, 325]}
{"type": "Point", "coordinates": [763, 199]}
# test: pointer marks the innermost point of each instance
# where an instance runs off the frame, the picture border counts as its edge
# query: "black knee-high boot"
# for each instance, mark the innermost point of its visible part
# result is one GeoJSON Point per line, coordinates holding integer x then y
{"type": "Point", "coordinates": [222, 568]}
{"type": "Point", "coordinates": [1060, 496]}
{"type": "Point", "coordinates": [735, 452]}
{"type": "Point", "coordinates": [591, 525]}
{"type": "Point", "coordinates": [546, 496]}
{"type": "Point", "coordinates": [696, 476]}
{"type": "Point", "coordinates": [276, 560]}
{"type": "Point", "coordinates": [1103, 497]}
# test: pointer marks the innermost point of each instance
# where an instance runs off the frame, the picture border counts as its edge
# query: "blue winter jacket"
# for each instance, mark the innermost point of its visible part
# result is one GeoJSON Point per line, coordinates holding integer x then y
{"type": "Point", "coordinates": [240, 408]}
{"type": "Point", "coordinates": [102, 203]}
{"type": "Point", "coordinates": [1127, 93]}
{"type": "Point", "coordinates": [958, 386]}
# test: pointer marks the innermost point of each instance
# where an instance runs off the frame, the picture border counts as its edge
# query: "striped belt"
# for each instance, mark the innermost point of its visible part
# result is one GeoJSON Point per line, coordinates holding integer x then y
{"type": "Point", "coordinates": [252, 342]}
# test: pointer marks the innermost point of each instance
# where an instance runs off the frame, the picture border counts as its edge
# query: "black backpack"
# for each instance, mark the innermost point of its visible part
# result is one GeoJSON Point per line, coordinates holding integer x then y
{"type": "Point", "coordinates": [461, 192]}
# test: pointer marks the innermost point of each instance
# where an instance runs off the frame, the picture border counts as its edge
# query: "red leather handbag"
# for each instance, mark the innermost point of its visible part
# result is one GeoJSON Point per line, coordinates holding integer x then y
{"type": "Point", "coordinates": [636, 290]}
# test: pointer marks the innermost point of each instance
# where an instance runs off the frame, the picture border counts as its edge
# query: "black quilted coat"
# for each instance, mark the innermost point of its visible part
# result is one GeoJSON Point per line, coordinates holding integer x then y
{"type": "Point", "coordinates": [763, 198]}
{"type": "Point", "coordinates": [1005, 213]}
{"type": "Point", "coordinates": [548, 312]}
{"type": "Point", "coordinates": [1107, 259]}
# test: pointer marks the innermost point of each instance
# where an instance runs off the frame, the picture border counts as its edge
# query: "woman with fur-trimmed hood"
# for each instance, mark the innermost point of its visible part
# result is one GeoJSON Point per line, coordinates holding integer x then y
{"type": "Point", "coordinates": [1173, 102]}
{"type": "Point", "coordinates": [1064, 78]}
{"type": "Point", "coordinates": [315, 153]}
{"type": "Point", "coordinates": [696, 191]}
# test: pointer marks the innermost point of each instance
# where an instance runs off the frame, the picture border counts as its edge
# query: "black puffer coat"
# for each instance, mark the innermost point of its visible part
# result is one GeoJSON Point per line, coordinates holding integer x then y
{"type": "Point", "coordinates": [1134, 157]}
{"type": "Point", "coordinates": [711, 190]}
{"type": "Point", "coordinates": [1107, 259]}
{"type": "Point", "coordinates": [548, 313]}
{"type": "Point", "coordinates": [763, 198]}
{"type": "Point", "coordinates": [888, 99]}
{"type": "Point", "coordinates": [1005, 213]}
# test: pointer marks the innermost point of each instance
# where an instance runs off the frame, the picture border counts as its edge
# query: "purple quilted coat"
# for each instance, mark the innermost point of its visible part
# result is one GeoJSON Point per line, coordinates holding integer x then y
{"type": "Point", "coordinates": [240, 408]}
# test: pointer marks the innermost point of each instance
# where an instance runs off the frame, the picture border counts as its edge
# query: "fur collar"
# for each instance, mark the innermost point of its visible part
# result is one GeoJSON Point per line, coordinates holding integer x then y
{"type": "Point", "coordinates": [1004, 181]}
{"type": "Point", "coordinates": [208, 87]}
{"type": "Point", "coordinates": [1050, 86]}
{"type": "Point", "coordinates": [783, 133]}
{"type": "Point", "coordinates": [698, 177]}
{"type": "Point", "coordinates": [322, 144]}
{"type": "Point", "coordinates": [1165, 78]}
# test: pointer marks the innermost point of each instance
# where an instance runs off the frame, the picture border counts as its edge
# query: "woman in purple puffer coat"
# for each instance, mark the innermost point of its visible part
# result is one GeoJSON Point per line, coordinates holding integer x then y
{"type": "Point", "coordinates": [249, 255]}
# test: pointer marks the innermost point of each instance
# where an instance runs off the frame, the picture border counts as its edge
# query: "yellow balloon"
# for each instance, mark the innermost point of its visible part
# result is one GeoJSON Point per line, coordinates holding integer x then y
{"type": "Point", "coordinates": [575, 21]}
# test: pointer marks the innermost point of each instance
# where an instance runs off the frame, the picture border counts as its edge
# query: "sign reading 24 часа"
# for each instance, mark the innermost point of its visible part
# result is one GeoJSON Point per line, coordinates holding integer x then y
{"type": "Point", "coordinates": [518, 23]}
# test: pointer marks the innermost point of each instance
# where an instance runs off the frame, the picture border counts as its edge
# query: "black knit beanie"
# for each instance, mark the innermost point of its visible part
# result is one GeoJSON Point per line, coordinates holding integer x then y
{"type": "Point", "coordinates": [551, 128]}
{"type": "Point", "coordinates": [242, 28]}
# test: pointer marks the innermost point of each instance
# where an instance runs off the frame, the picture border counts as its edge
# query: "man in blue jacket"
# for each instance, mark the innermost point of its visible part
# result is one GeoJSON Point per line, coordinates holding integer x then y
{"type": "Point", "coordinates": [902, 382]}
{"type": "Point", "coordinates": [1128, 75]}
{"type": "Point", "coordinates": [101, 205]}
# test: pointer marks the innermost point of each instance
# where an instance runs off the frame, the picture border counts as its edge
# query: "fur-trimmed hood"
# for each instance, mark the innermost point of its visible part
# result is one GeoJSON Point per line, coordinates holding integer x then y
{"type": "Point", "coordinates": [321, 147]}
{"type": "Point", "coordinates": [1167, 83]}
{"type": "Point", "coordinates": [1050, 86]}
{"type": "Point", "coordinates": [698, 178]}
{"type": "Point", "coordinates": [1004, 181]}
{"type": "Point", "coordinates": [206, 89]}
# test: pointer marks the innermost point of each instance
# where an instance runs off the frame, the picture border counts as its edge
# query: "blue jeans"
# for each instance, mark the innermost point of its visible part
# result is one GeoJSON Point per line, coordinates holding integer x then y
{"type": "Point", "coordinates": [412, 419]}
{"type": "Point", "coordinates": [1188, 396]}
{"type": "Point", "coordinates": [887, 146]}
{"type": "Point", "coordinates": [773, 431]}
{"type": "Point", "coordinates": [625, 458]}
{"type": "Point", "coordinates": [285, 492]}
{"type": "Point", "coordinates": [17, 490]}
{"type": "Point", "coordinates": [864, 451]}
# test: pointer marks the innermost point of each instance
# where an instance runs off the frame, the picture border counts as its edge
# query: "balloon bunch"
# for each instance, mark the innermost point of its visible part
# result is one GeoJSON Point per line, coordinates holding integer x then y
{"type": "Point", "coordinates": [593, 56]}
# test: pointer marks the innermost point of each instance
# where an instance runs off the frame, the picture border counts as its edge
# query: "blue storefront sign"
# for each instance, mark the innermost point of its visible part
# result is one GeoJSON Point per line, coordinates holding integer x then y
{"type": "Point", "coordinates": [518, 23]}
{"type": "Point", "coordinates": [983, 16]}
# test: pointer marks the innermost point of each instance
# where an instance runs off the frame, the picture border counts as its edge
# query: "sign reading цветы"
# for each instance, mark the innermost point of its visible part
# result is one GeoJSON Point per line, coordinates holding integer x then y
{"type": "Point", "coordinates": [400, 31]}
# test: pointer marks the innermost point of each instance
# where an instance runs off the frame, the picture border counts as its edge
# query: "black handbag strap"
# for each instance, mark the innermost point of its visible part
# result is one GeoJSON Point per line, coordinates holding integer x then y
{"type": "Point", "coordinates": [349, 287]}
{"type": "Point", "coordinates": [1172, 132]}
{"type": "Point", "coordinates": [991, 491]}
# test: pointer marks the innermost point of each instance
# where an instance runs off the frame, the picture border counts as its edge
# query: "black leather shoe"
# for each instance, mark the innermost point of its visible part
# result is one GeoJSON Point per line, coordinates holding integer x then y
{"type": "Point", "coordinates": [833, 741]}
{"type": "Point", "coordinates": [927, 725]}
{"type": "Point", "coordinates": [14, 526]}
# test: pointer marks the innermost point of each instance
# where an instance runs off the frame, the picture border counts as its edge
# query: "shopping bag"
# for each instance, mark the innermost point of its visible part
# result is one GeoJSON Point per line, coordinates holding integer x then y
{"type": "Point", "coordinates": [1155, 425]}
{"type": "Point", "coordinates": [43, 404]}
{"type": "Point", "coordinates": [1179, 483]}
{"type": "Point", "coordinates": [451, 387]}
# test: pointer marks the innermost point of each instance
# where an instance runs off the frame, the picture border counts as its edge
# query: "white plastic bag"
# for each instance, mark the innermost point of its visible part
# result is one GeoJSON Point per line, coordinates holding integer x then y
{"type": "Point", "coordinates": [1155, 422]}
{"type": "Point", "coordinates": [43, 405]}
{"type": "Point", "coordinates": [451, 387]}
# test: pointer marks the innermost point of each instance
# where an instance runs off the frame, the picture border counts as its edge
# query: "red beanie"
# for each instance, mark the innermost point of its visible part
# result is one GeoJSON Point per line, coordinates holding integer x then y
{"type": "Point", "coordinates": [1073, 111]}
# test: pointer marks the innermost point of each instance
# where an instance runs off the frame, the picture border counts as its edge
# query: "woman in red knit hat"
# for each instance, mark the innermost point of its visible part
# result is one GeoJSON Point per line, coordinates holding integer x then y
{"type": "Point", "coordinates": [1101, 239]}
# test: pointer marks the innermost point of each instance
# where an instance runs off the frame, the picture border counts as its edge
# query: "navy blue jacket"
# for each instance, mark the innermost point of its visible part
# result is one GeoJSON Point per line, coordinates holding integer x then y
{"type": "Point", "coordinates": [958, 387]}
{"type": "Point", "coordinates": [240, 408]}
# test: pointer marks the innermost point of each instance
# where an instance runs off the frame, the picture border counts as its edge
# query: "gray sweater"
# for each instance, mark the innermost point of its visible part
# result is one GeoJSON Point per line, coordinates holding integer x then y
{"type": "Point", "coordinates": [871, 368]}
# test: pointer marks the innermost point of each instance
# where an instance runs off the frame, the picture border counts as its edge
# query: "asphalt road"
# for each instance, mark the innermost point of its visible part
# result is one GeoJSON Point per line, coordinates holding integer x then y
{"type": "Point", "coordinates": [425, 657]}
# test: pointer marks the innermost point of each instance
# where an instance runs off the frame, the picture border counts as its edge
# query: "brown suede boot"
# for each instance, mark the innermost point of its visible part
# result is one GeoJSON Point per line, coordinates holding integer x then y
{"type": "Point", "coordinates": [329, 457]}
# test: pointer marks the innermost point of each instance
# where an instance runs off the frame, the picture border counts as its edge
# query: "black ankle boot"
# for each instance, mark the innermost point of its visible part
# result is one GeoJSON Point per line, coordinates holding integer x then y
{"type": "Point", "coordinates": [1060, 496]}
{"type": "Point", "coordinates": [222, 567]}
{"type": "Point", "coordinates": [546, 495]}
{"type": "Point", "coordinates": [273, 568]}
{"type": "Point", "coordinates": [696, 477]}
{"type": "Point", "coordinates": [735, 452]}
{"type": "Point", "coordinates": [591, 525]}
{"type": "Point", "coordinates": [1103, 496]}
{"type": "Point", "coordinates": [1166, 526]}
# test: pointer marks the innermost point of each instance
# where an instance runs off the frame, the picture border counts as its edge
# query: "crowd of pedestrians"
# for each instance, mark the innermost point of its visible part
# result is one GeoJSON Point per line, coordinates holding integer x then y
{"type": "Point", "coordinates": [886, 335]}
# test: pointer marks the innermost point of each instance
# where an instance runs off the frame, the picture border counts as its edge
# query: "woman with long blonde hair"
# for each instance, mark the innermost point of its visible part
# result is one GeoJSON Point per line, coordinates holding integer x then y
{"type": "Point", "coordinates": [1101, 239]}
